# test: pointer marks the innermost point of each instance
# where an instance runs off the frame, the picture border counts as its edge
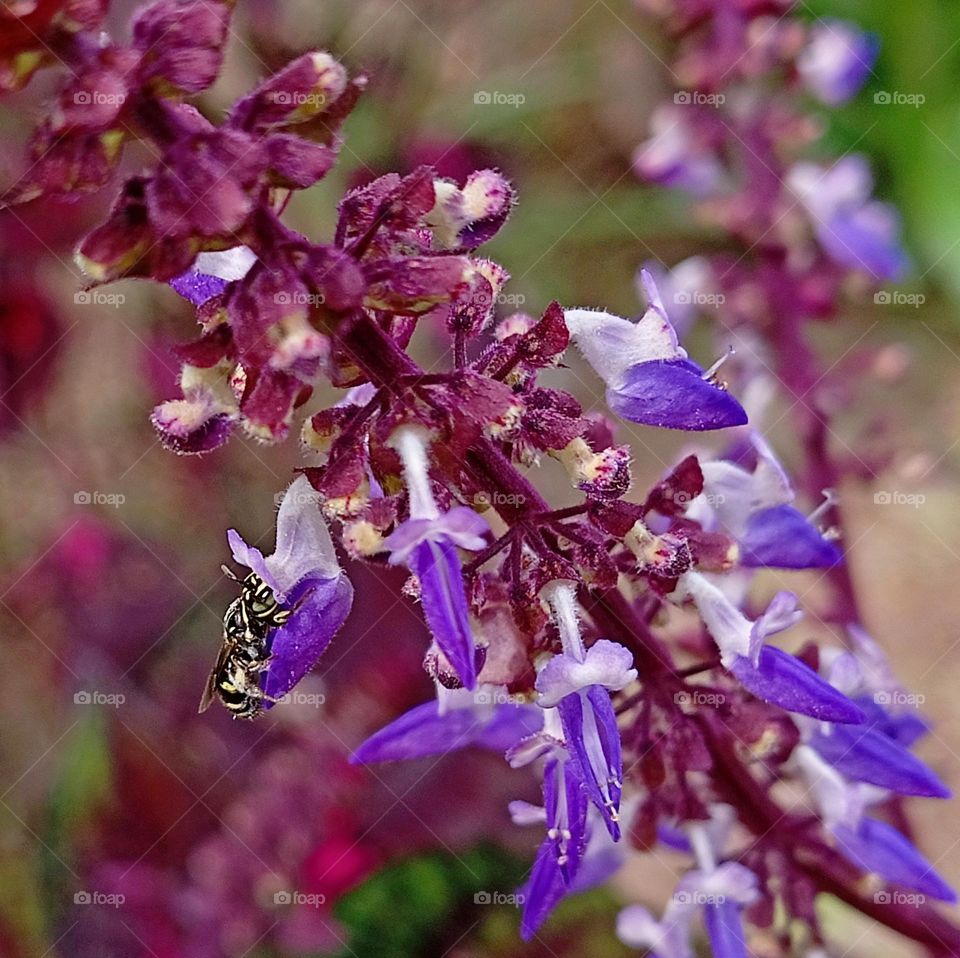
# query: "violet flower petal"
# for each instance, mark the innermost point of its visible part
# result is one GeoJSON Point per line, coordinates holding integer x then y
{"type": "Point", "coordinates": [437, 566]}
{"type": "Point", "coordinates": [590, 730]}
{"type": "Point", "coordinates": [424, 731]}
{"type": "Point", "coordinates": [297, 646]}
{"type": "Point", "coordinates": [865, 754]}
{"type": "Point", "coordinates": [783, 538]}
{"type": "Point", "coordinates": [783, 679]}
{"type": "Point", "coordinates": [837, 61]}
{"type": "Point", "coordinates": [725, 929]}
{"type": "Point", "coordinates": [212, 272]}
{"type": "Point", "coordinates": [672, 394]}
{"type": "Point", "coordinates": [605, 663]}
{"type": "Point", "coordinates": [878, 847]}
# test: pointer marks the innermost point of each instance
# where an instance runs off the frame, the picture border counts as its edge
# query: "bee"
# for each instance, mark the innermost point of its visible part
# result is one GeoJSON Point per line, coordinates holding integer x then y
{"type": "Point", "coordinates": [245, 650]}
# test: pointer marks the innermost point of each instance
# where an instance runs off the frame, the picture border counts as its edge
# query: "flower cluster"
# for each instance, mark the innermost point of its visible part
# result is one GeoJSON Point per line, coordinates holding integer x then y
{"type": "Point", "coordinates": [618, 646]}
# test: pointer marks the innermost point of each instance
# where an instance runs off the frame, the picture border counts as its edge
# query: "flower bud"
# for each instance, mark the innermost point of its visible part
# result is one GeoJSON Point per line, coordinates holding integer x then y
{"type": "Point", "coordinates": [604, 474]}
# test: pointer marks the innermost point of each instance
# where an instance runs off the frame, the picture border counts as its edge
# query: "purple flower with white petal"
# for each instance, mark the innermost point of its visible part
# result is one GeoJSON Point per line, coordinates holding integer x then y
{"type": "Point", "coordinates": [769, 673]}
{"type": "Point", "coordinates": [686, 287]}
{"type": "Point", "coordinates": [305, 576]}
{"type": "Point", "coordinates": [427, 544]}
{"type": "Point", "coordinates": [754, 507]}
{"type": "Point", "coordinates": [837, 60]}
{"type": "Point", "coordinates": [721, 892]}
{"type": "Point", "coordinates": [649, 378]}
{"type": "Point", "coordinates": [854, 230]}
{"type": "Point", "coordinates": [456, 719]}
{"type": "Point", "coordinates": [211, 272]}
{"type": "Point", "coordinates": [577, 683]}
{"type": "Point", "coordinates": [869, 843]}
{"type": "Point", "coordinates": [675, 156]}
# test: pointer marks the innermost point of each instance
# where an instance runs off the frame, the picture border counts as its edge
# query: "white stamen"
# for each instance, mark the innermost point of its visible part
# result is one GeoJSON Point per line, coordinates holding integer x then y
{"type": "Point", "coordinates": [702, 849]}
{"type": "Point", "coordinates": [409, 441]}
{"type": "Point", "coordinates": [830, 498]}
{"type": "Point", "coordinates": [709, 373]}
{"type": "Point", "coordinates": [563, 600]}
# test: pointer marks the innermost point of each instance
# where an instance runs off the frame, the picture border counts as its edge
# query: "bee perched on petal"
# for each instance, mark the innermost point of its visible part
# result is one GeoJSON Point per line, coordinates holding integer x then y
{"type": "Point", "coordinates": [290, 605]}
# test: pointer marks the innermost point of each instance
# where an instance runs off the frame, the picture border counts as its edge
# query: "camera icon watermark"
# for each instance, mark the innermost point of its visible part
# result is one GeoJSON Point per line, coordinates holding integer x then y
{"type": "Point", "coordinates": [98, 898]}
{"type": "Point", "coordinates": [98, 98]}
{"type": "Point", "coordinates": [498, 98]}
{"type": "Point", "coordinates": [84, 498]}
{"type": "Point", "coordinates": [895, 297]}
{"type": "Point", "coordinates": [98, 297]}
{"type": "Point", "coordinates": [900, 698]}
{"type": "Point", "coordinates": [298, 298]}
{"type": "Point", "coordinates": [113, 699]}
{"type": "Point", "coordinates": [897, 897]}
{"type": "Point", "coordinates": [898, 98]}
{"type": "Point", "coordinates": [698, 98]}
{"type": "Point", "coordinates": [896, 498]}
{"type": "Point", "coordinates": [497, 898]}
{"type": "Point", "coordinates": [290, 897]}
{"type": "Point", "coordinates": [315, 101]}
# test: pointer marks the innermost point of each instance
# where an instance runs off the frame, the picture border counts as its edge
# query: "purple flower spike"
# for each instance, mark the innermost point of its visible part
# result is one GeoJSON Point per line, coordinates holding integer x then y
{"type": "Point", "coordinates": [590, 730]}
{"type": "Point", "coordinates": [878, 847]}
{"type": "Point", "coordinates": [649, 378]}
{"type": "Point", "coordinates": [783, 538]}
{"type": "Point", "coordinates": [304, 574]}
{"type": "Point", "coordinates": [782, 679]}
{"type": "Point", "coordinates": [211, 272]}
{"type": "Point", "coordinates": [867, 755]}
{"type": "Point", "coordinates": [837, 60]}
{"type": "Point", "coordinates": [426, 730]}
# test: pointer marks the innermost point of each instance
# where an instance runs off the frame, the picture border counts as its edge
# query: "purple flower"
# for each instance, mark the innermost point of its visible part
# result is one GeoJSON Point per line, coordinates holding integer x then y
{"type": "Point", "coordinates": [686, 287]}
{"type": "Point", "coordinates": [837, 60]}
{"type": "Point", "coordinates": [577, 682]}
{"type": "Point", "coordinates": [305, 576]}
{"type": "Point", "coordinates": [675, 156]}
{"type": "Point", "coordinates": [648, 376]}
{"type": "Point", "coordinates": [456, 719]}
{"type": "Point", "coordinates": [211, 272]}
{"type": "Point", "coordinates": [870, 844]}
{"type": "Point", "coordinates": [427, 544]}
{"type": "Point", "coordinates": [754, 507]}
{"type": "Point", "coordinates": [854, 230]}
{"type": "Point", "coordinates": [767, 672]}
{"type": "Point", "coordinates": [721, 892]}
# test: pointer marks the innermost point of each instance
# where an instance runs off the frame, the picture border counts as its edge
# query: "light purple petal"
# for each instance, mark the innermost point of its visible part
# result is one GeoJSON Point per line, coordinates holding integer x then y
{"type": "Point", "coordinates": [837, 61]}
{"type": "Point", "coordinates": [865, 754]}
{"type": "Point", "coordinates": [252, 558]}
{"type": "Point", "coordinates": [725, 930]}
{"type": "Point", "coordinates": [878, 847]}
{"type": "Point", "coordinates": [866, 238]}
{"type": "Point", "coordinates": [437, 566]}
{"type": "Point", "coordinates": [304, 547]}
{"type": "Point", "coordinates": [605, 663]}
{"type": "Point", "coordinates": [461, 526]}
{"type": "Point", "coordinates": [297, 646]}
{"type": "Point", "coordinates": [673, 394]}
{"type": "Point", "coordinates": [424, 731]}
{"type": "Point", "coordinates": [783, 538]}
{"type": "Point", "coordinates": [784, 680]}
{"type": "Point", "coordinates": [590, 730]}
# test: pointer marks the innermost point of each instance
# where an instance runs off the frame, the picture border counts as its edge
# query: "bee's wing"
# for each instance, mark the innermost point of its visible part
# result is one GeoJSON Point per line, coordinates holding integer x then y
{"type": "Point", "coordinates": [210, 692]}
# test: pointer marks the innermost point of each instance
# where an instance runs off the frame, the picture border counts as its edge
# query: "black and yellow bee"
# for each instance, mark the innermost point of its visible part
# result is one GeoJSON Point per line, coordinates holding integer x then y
{"type": "Point", "coordinates": [245, 651]}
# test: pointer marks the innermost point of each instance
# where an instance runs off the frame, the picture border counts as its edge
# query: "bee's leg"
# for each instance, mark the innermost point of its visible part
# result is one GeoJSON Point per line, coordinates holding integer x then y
{"type": "Point", "coordinates": [281, 618]}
